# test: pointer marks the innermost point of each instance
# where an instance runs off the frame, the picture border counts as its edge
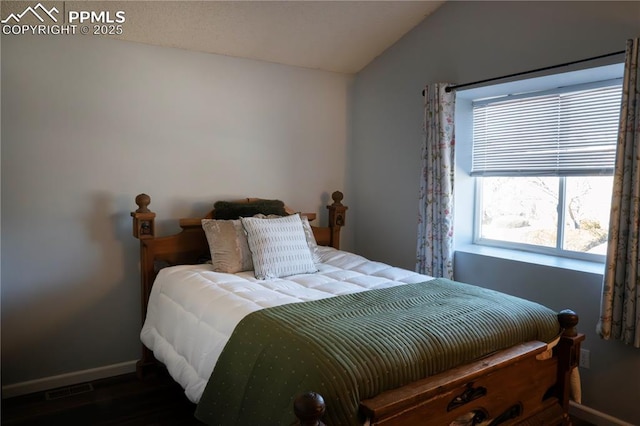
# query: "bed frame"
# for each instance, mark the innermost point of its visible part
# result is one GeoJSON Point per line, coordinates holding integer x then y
{"type": "Point", "coordinates": [526, 384]}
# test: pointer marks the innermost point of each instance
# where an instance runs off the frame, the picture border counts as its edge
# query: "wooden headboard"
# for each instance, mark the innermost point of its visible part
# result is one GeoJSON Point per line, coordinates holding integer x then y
{"type": "Point", "coordinates": [189, 246]}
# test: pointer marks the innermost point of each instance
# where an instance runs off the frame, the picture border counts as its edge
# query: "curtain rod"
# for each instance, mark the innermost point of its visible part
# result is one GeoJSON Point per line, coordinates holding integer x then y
{"type": "Point", "coordinates": [566, 64]}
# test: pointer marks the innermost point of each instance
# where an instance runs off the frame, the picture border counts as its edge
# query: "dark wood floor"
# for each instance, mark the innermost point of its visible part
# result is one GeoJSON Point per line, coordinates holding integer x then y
{"type": "Point", "coordinates": [122, 401]}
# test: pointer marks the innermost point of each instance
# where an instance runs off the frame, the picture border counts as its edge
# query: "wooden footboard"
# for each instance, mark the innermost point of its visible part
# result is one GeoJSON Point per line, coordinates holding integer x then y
{"type": "Point", "coordinates": [524, 384]}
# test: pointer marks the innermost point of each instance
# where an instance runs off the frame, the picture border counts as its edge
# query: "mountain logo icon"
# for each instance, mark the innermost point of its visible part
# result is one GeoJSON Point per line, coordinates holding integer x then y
{"type": "Point", "coordinates": [34, 11]}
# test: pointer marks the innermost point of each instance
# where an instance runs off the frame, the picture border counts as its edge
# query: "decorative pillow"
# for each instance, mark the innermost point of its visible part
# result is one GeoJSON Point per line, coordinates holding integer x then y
{"type": "Point", "coordinates": [308, 233]}
{"type": "Point", "coordinates": [311, 239]}
{"type": "Point", "coordinates": [233, 210]}
{"type": "Point", "coordinates": [278, 247]}
{"type": "Point", "coordinates": [228, 245]}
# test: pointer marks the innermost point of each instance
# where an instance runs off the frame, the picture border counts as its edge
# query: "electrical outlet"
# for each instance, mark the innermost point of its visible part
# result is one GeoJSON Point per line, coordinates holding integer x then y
{"type": "Point", "coordinates": [585, 356]}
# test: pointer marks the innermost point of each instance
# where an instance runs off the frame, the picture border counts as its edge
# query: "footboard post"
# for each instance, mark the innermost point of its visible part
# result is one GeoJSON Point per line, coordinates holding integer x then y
{"type": "Point", "coordinates": [309, 408]}
{"type": "Point", "coordinates": [568, 352]}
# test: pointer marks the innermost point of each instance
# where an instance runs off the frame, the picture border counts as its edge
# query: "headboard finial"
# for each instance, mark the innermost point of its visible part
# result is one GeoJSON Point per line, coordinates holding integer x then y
{"type": "Point", "coordinates": [143, 201]}
{"type": "Point", "coordinates": [337, 197]}
{"type": "Point", "coordinates": [337, 213]}
{"type": "Point", "coordinates": [143, 218]}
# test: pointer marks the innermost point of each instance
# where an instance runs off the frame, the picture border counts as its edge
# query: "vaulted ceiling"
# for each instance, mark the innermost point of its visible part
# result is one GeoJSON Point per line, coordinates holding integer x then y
{"type": "Point", "coordinates": [341, 36]}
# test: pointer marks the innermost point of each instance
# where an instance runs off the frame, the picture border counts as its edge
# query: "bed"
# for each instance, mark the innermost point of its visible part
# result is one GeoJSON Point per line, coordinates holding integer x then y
{"type": "Point", "coordinates": [338, 339]}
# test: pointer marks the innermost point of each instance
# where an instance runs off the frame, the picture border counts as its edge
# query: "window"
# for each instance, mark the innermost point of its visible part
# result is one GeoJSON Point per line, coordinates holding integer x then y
{"type": "Point", "coordinates": [543, 163]}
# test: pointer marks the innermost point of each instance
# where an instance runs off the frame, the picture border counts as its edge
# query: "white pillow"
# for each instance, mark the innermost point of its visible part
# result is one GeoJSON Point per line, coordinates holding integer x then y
{"type": "Point", "coordinates": [228, 245]}
{"type": "Point", "coordinates": [308, 233]}
{"type": "Point", "coordinates": [278, 247]}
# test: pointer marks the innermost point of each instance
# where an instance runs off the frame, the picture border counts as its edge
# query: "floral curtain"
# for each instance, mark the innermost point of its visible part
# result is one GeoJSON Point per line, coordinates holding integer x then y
{"type": "Point", "coordinates": [435, 212]}
{"type": "Point", "coordinates": [620, 310]}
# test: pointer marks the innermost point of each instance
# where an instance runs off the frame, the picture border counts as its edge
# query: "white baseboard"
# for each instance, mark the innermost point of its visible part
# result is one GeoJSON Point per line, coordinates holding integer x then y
{"type": "Point", "coordinates": [594, 416]}
{"type": "Point", "coordinates": [47, 383]}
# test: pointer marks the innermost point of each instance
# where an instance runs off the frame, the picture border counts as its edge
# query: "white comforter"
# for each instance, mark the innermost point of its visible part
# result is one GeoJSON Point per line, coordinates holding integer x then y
{"type": "Point", "coordinates": [192, 310]}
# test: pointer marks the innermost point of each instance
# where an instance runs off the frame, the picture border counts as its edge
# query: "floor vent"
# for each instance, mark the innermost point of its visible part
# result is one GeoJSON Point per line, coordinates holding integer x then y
{"type": "Point", "coordinates": [68, 391]}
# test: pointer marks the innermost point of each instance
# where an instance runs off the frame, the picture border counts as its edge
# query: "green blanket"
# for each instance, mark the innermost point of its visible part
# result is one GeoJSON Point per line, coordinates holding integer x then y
{"type": "Point", "coordinates": [349, 348]}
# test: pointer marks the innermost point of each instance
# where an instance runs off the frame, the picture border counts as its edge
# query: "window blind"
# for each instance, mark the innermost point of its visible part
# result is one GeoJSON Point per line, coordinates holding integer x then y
{"type": "Point", "coordinates": [563, 133]}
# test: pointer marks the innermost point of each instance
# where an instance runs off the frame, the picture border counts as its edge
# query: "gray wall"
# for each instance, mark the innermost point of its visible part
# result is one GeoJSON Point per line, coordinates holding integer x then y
{"type": "Point", "coordinates": [88, 123]}
{"type": "Point", "coordinates": [463, 42]}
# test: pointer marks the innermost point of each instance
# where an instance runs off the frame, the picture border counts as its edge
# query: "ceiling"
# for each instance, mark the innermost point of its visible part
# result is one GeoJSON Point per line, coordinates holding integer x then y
{"type": "Point", "coordinates": [340, 36]}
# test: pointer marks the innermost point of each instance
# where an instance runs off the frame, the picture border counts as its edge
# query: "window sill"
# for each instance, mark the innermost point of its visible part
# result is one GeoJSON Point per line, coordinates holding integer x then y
{"type": "Point", "coordinates": [533, 258]}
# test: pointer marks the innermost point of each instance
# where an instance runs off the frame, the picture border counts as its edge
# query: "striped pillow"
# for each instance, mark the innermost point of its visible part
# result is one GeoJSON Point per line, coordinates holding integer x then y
{"type": "Point", "coordinates": [308, 233]}
{"type": "Point", "coordinates": [278, 247]}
